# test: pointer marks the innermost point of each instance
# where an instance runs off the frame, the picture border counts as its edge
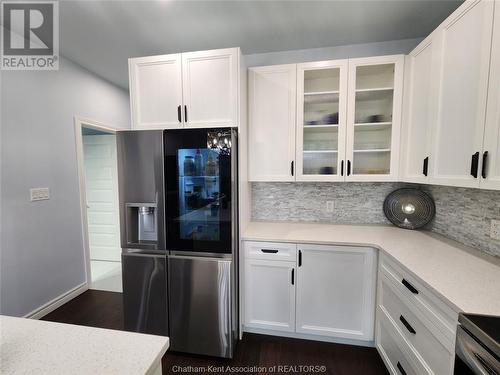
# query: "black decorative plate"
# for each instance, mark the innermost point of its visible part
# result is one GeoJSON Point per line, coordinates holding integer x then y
{"type": "Point", "coordinates": [409, 208]}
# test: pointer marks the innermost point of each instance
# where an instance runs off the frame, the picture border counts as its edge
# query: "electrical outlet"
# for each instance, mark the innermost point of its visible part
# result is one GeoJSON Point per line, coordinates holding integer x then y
{"type": "Point", "coordinates": [495, 229]}
{"type": "Point", "coordinates": [330, 206]}
{"type": "Point", "coordinates": [39, 194]}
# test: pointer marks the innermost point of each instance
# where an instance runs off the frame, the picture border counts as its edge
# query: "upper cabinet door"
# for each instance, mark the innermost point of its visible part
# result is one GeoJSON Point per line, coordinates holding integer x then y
{"type": "Point", "coordinates": [156, 91]}
{"type": "Point", "coordinates": [490, 171]}
{"type": "Point", "coordinates": [271, 145]}
{"type": "Point", "coordinates": [210, 88]}
{"type": "Point", "coordinates": [421, 68]}
{"type": "Point", "coordinates": [465, 47]}
{"type": "Point", "coordinates": [374, 118]}
{"type": "Point", "coordinates": [321, 120]}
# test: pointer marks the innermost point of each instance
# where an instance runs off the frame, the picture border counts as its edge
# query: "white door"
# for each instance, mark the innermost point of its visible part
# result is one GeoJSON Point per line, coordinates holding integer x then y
{"type": "Point", "coordinates": [491, 145]}
{"type": "Point", "coordinates": [210, 87]}
{"type": "Point", "coordinates": [463, 83]}
{"type": "Point", "coordinates": [271, 145]}
{"type": "Point", "coordinates": [374, 118]}
{"type": "Point", "coordinates": [156, 91]}
{"type": "Point", "coordinates": [321, 120]}
{"type": "Point", "coordinates": [101, 183]}
{"type": "Point", "coordinates": [270, 294]}
{"type": "Point", "coordinates": [421, 69]}
{"type": "Point", "coordinates": [336, 291]}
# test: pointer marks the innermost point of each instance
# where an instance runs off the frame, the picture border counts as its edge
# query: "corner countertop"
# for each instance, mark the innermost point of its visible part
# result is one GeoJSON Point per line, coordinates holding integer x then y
{"type": "Point", "coordinates": [31, 346]}
{"type": "Point", "coordinates": [468, 280]}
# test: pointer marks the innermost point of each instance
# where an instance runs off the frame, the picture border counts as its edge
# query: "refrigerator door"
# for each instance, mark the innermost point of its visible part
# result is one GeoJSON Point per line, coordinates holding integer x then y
{"type": "Point", "coordinates": [200, 190]}
{"type": "Point", "coordinates": [145, 292]}
{"type": "Point", "coordinates": [200, 305]}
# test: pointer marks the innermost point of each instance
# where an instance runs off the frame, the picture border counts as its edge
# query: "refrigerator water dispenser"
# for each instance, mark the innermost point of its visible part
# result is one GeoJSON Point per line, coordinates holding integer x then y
{"type": "Point", "coordinates": [141, 223]}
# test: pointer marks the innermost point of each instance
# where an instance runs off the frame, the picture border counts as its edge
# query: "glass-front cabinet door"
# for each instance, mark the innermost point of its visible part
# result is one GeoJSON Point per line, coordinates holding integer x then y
{"type": "Point", "coordinates": [374, 118]}
{"type": "Point", "coordinates": [321, 120]}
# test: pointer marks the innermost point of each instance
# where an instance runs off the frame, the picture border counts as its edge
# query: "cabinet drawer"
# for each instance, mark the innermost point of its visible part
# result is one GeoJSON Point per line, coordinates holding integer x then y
{"type": "Point", "coordinates": [271, 251]}
{"type": "Point", "coordinates": [443, 316]}
{"type": "Point", "coordinates": [397, 355]}
{"type": "Point", "coordinates": [432, 347]}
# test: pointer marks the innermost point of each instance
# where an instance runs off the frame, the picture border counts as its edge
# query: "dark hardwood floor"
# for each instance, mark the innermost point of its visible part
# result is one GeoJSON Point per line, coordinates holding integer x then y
{"type": "Point", "coordinates": [264, 353]}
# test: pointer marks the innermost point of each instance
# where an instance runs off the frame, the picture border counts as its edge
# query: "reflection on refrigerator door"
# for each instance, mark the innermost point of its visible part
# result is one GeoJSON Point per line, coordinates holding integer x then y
{"type": "Point", "coordinates": [145, 292]}
{"type": "Point", "coordinates": [200, 305]}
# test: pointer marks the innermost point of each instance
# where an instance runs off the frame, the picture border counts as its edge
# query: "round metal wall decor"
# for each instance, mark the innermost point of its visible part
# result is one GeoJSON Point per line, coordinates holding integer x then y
{"type": "Point", "coordinates": [409, 208]}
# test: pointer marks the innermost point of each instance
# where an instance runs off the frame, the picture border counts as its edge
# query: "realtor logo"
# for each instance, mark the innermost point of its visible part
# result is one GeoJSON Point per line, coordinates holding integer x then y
{"type": "Point", "coordinates": [30, 35]}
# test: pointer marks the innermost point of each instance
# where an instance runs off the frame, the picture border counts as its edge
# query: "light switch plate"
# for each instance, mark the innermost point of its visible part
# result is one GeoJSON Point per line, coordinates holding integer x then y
{"type": "Point", "coordinates": [495, 229]}
{"type": "Point", "coordinates": [39, 194]}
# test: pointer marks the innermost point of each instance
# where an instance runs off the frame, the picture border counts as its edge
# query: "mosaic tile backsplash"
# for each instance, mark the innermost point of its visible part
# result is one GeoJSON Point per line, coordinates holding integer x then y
{"type": "Point", "coordinates": [462, 214]}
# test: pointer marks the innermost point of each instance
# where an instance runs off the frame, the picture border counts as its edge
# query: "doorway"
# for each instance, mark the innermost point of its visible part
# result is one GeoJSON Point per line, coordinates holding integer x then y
{"type": "Point", "coordinates": [100, 205]}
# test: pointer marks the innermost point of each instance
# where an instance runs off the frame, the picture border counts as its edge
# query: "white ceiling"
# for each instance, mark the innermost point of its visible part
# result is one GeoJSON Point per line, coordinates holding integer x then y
{"type": "Point", "coordinates": [101, 35]}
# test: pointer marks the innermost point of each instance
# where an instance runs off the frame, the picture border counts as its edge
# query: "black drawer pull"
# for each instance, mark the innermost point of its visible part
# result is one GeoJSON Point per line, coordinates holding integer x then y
{"type": "Point", "coordinates": [269, 251]}
{"type": "Point", "coordinates": [291, 167]}
{"type": "Point", "coordinates": [401, 369]}
{"type": "Point", "coordinates": [348, 167]}
{"type": "Point", "coordinates": [300, 258]}
{"type": "Point", "coordinates": [474, 165]}
{"type": "Point", "coordinates": [293, 276]}
{"type": "Point", "coordinates": [185, 113]}
{"type": "Point", "coordinates": [484, 167]}
{"type": "Point", "coordinates": [426, 166]}
{"type": "Point", "coordinates": [409, 286]}
{"type": "Point", "coordinates": [407, 325]}
{"type": "Point", "coordinates": [342, 168]}
{"type": "Point", "coordinates": [179, 113]}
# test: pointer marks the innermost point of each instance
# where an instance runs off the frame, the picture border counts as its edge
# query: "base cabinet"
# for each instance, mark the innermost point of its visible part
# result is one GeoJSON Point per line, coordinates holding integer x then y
{"type": "Point", "coordinates": [326, 291]}
{"type": "Point", "coordinates": [336, 291]}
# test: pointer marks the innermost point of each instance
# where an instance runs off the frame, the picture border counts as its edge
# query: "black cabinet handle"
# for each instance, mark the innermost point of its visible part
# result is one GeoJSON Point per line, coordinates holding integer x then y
{"type": "Point", "coordinates": [185, 113]}
{"type": "Point", "coordinates": [179, 113]}
{"type": "Point", "coordinates": [407, 325]}
{"type": "Point", "coordinates": [483, 168]}
{"type": "Point", "coordinates": [291, 167]}
{"type": "Point", "coordinates": [269, 251]}
{"type": "Point", "coordinates": [409, 286]}
{"type": "Point", "coordinates": [348, 167]}
{"type": "Point", "coordinates": [342, 168]}
{"type": "Point", "coordinates": [293, 276]}
{"type": "Point", "coordinates": [426, 166]}
{"type": "Point", "coordinates": [300, 258]}
{"type": "Point", "coordinates": [474, 165]}
{"type": "Point", "coordinates": [401, 369]}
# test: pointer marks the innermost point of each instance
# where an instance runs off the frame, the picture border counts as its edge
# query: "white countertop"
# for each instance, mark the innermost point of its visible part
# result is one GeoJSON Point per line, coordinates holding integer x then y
{"type": "Point", "coordinates": [31, 346]}
{"type": "Point", "coordinates": [468, 280]}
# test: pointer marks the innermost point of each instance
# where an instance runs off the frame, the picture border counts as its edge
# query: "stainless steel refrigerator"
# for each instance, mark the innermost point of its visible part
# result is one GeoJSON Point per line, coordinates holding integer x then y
{"type": "Point", "coordinates": [179, 220]}
{"type": "Point", "coordinates": [202, 239]}
{"type": "Point", "coordinates": [142, 227]}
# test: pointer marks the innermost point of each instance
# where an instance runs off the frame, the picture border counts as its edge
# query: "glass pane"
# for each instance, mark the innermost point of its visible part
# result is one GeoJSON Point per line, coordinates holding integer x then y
{"type": "Point", "coordinates": [321, 109]}
{"type": "Point", "coordinates": [371, 162]}
{"type": "Point", "coordinates": [373, 106]}
{"type": "Point", "coordinates": [372, 137]}
{"type": "Point", "coordinates": [375, 76]}
{"type": "Point", "coordinates": [320, 138]}
{"type": "Point", "coordinates": [321, 80]}
{"type": "Point", "coordinates": [324, 163]}
{"type": "Point", "coordinates": [199, 194]}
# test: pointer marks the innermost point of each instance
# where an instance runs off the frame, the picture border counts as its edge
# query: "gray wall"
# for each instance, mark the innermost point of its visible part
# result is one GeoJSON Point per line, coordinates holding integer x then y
{"type": "Point", "coordinates": [42, 252]}
{"type": "Point", "coordinates": [392, 47]}
{"type": "Point", "coordinates": [461, 214]}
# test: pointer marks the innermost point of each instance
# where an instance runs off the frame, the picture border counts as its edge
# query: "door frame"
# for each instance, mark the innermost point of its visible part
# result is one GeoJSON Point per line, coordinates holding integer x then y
{"type": "Point", "coordinates": [79, 123]}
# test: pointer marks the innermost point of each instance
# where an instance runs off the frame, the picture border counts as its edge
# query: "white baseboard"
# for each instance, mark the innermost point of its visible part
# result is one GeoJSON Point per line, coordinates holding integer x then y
{"type": "Point", "coordinates": [50, 306]}
{"type": "Point", "coordinates": [304, 336]}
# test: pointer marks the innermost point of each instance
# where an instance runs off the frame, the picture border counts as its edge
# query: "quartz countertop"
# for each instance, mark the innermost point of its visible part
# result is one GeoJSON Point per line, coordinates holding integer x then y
{"type": "Point", "coordinates": [467, 279]}
{"type": "Point", "coordinates": [31, 346]}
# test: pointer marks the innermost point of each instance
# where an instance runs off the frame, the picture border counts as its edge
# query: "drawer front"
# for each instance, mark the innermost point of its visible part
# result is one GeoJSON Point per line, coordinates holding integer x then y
{"type": "Point", "coordinates": [397, 355]}
{"type": "Point", "coordinates": [431, 350]}
{"type": "Point", "coordinates": [437, 311]}
{"type": "Point", "coordinates": [271, 251]}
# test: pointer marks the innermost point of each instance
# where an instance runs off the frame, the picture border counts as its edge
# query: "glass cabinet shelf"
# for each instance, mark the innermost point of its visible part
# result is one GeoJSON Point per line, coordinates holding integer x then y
{"type": "Point", "coordinates": [319, 151]}
{"type": "Point", "coordinates": [312, 93]}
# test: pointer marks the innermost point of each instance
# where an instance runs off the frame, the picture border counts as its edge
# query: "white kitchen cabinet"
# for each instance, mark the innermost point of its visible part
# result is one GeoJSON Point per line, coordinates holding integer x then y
{"type": "Point", "coordinates": [271, 144]}
{"type": "Point", "coordinates": [490, 171]}
{"type": "Point", "coordinates": [374, 118]}
{"type": "Point", "coordinates": [421, 69]}
{"type": "Point", "coordinates": [193, 89]}
{"type": "Point", "coordinates": [269, 286]}
{"type": "Point", "coordinates": [210, 87]}
{"type": "Point", "coordinates": [156, 91]}
{"type": "Point", "coordinates": [465, 45]}
{"type": "Point", "coordinates": [336, 291]}
{"type": "Point", "coordinates": [321, 120]}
